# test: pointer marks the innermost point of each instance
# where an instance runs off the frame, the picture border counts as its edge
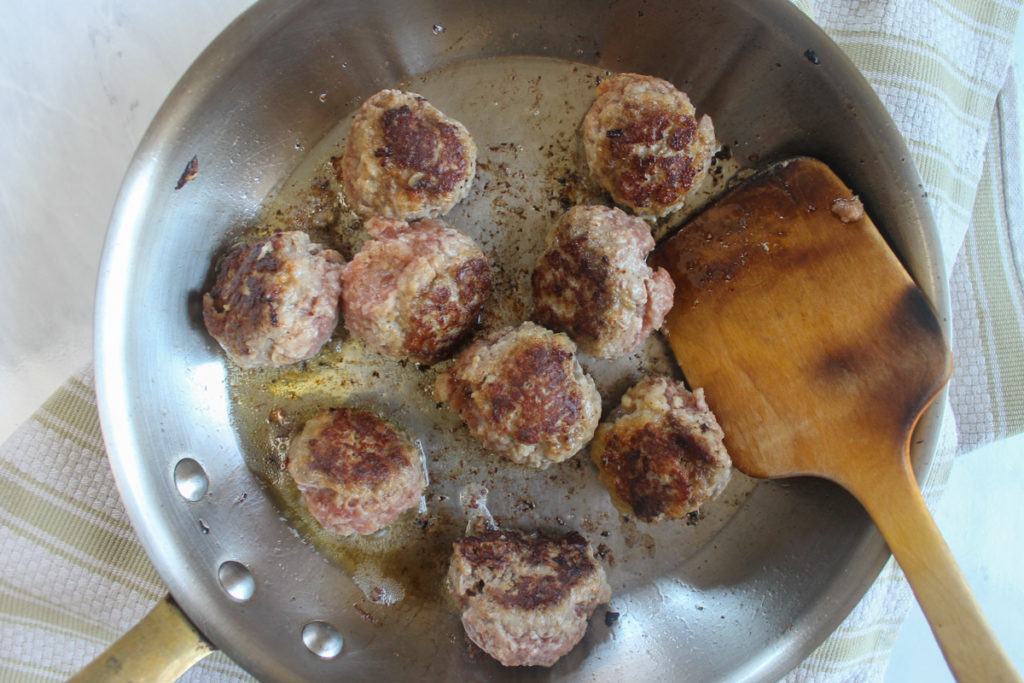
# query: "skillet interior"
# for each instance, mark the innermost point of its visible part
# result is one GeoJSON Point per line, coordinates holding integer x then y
{"type": "Point", "coordinates": [782, 567]}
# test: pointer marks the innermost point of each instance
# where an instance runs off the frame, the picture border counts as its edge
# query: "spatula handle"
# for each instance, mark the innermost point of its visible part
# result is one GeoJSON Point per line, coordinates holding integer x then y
{"type": "Point", "coordinates": [967, 641]}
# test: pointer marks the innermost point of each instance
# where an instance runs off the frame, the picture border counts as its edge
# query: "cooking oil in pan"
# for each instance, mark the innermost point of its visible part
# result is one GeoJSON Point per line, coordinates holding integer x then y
{"type": "Point", "coordinates": [524, 114]}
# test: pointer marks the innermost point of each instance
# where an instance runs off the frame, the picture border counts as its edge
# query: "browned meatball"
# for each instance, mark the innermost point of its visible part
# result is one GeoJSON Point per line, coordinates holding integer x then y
{"type": "Point", "coordinates": [355, 472]}
{"type": "Point", "coordinates": [415, 291]}
{"type": "Point", "coordinates": [405, 159]}
{"type": "Point", "coordinates": [522, 392]}
{"type": "Point", "coordinates": [526, 599]}
{"type": "Point", "coordinates": [661, 452]}
{"type": "Point", "coordinates": [274, 302]}
{"type": "Point", "coordinates": [593, 283]}
{"type": "Point", "coordinates": [644, 144]}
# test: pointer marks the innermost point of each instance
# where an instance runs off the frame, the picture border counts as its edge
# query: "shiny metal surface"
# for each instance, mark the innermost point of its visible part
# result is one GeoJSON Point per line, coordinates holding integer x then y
{"type": "Point", "coordinates": [778, 575]}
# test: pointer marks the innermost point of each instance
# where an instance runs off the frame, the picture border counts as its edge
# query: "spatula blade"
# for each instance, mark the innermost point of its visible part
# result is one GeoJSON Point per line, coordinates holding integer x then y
{"type": "Point", "coordinates": [808, 336]}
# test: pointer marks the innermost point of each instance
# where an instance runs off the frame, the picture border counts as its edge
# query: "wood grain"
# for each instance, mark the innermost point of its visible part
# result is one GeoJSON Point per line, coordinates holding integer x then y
{"type": "Point", "coordinates": [818, 353]}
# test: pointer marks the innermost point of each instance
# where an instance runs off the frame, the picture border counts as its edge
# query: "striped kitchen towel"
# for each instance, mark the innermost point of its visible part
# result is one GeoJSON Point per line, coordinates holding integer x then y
{"type": "Point", "coordinates": [73, 576]}
{"type": "Point", "coordinates": [988, 296]}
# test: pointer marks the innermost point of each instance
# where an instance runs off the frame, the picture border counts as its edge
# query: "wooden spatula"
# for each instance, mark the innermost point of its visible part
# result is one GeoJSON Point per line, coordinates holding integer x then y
{"type": "Point", "coordinates": [818, 354]}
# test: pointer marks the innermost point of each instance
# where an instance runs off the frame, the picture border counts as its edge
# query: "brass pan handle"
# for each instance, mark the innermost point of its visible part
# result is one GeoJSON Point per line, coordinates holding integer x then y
{"type": "Point", "coordinates": [161, 647]}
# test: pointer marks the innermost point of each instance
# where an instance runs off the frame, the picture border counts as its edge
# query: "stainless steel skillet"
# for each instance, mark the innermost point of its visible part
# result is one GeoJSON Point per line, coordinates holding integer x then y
{"type": "Point", "coordinates": [746, 595]}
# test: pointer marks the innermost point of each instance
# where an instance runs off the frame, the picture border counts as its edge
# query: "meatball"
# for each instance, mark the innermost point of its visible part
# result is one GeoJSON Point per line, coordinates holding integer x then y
{"type": "Point", "coordinates": [644, 145]}
{"type": "Point", "coordinates": [414, 291]}
{"type": "Point", "coordinates": [275, 301]}
{"type": "Point", "coordinates": [661, 452]}
{"type": "Point", "coordinates": [526, 599]}
{"type": "Point", "coordinates": [355, 472]}
{"type": "Point", "coordinates": [593, 283]}
{"type": "Point", "coordinates": [405, 159]}
{"type": "Point", "coordinates": [522, 392]}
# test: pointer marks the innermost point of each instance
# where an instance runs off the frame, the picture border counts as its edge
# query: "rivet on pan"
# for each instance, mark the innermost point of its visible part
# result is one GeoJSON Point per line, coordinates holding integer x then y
{"type": "Point", "coordinates": [236, 580]}
{"type": "Point", "coordinates": [322, 639]}
{"type": "Point", "coordinates": [190, 479]}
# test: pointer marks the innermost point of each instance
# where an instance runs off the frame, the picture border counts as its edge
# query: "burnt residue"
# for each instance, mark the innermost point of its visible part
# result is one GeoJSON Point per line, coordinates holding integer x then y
{"type": "Point", "coordinates": [922, 334]}
{"type": "Point", "coordinates": [914, 308]}
{"type": "Point", "coordinates": [841, 364]}
{"type": "Point", "coordinates": [824, 306]}
{"type": "Point", "coordinates": [189, 174]}
{"type": "Point", "coordinates": [321, 209]}
{"type": "Point", "coordinates": [891, 368]}
{"type": "Point", "coordinates": [366, 615]}
{"type": "Point", "coordinates": [759, 224]}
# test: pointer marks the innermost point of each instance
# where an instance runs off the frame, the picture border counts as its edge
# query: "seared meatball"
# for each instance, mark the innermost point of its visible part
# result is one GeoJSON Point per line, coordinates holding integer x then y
{"type": "Point", "coordinates": [644, 144]}
{"type": "Point", "coordinates": [522, 392]}
{"type": "Point", "coordinates": [526, 599]}
{"type": "Point", "coordinates": [274, 302]}
{"type": "Point", "coordinates": [405, 159]}
{"type": "Point", "coordinates": [593, 283]}
{"type": "Point", "coordinates": [355, 472]}
{"type": "Point", "coordinates": [660, 453]}
{"type": "Point", "coordinates": [414, 291]}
